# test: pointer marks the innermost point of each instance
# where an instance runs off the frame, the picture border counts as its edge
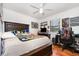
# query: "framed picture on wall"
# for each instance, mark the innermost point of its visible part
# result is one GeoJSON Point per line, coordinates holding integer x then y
{"type": "Point", "coordinates": [65, 22]}
{"type": "Point", "coordinates": [55, 25]}
{"type": "Point", "coordinates": [34, 25]}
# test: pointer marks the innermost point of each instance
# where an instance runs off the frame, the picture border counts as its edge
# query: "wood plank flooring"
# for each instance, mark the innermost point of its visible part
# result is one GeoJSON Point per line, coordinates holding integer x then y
{"type": "Point", "coordinates": [57, 51]}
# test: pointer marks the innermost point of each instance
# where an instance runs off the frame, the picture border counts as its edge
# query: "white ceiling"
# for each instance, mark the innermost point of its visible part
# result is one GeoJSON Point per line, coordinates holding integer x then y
{"type": "Point", "coordinates": [28, 10]}
{"type": "Point", "coordinates": [0, 8]}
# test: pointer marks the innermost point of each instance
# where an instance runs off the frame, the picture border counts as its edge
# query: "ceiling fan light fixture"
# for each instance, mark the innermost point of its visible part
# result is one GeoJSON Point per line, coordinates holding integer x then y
{"type": "Point", "coordinates": [41, 10]}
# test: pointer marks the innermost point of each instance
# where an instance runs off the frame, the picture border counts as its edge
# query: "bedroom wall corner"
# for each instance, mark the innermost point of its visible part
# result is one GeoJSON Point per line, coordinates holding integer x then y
{"type": "Point", "coordinates": [13, 16]}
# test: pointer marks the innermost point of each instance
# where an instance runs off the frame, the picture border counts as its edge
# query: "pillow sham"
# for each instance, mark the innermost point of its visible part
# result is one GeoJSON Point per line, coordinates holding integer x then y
{"type": "Point", "coordinates": [8, 35]}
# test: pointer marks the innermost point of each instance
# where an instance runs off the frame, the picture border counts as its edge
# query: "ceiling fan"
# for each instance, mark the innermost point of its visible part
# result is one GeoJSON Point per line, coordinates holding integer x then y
{"type": "Point", "coordinates": [40, 9]}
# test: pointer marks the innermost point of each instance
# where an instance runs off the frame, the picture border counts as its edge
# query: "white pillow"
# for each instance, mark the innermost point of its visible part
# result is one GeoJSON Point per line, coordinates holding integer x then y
{"type": "Point", "coordinates": [8, 35]}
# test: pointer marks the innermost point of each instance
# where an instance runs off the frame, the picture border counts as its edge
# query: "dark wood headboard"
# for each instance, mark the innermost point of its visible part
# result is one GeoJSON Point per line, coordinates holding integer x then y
{"type": "Point", "coordinates": [10, 26]}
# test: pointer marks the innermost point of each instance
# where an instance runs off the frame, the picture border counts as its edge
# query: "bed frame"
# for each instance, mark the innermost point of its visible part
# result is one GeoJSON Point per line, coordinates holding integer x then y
{"type": "Point", "coordinates": [41, 51]}
{"type": "Point", "coordinates": [45, 50]}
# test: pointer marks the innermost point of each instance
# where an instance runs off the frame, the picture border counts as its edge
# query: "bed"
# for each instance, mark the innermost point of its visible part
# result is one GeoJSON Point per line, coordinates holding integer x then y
{"type": "Point", "coordinates": [40, 45]}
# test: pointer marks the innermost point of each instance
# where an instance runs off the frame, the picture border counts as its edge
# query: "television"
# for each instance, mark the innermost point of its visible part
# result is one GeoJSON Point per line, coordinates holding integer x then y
{"type": "Point", "coordinates": [43, 29]}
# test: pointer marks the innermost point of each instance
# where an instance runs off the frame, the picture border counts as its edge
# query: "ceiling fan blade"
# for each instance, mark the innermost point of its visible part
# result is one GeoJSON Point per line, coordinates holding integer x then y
{"type": "Point", "coordinates": [44, 4]}
{"type": "Point", "coordinates": [35, 12]}
{"type": "Point", "coordinates": [48, 9]}
{"type": "Point", "coordinates": [34, 7]}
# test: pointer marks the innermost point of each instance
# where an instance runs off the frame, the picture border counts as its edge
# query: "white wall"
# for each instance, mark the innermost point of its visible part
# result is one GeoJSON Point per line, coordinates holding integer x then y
{"type": "Point", "coordinates": [13, 16]}
{"type": "Point", "coordinates": [69, 13]}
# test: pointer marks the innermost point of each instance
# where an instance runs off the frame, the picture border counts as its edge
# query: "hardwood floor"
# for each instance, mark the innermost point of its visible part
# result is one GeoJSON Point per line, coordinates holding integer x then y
{"type": "Point", "coordinates": [57, 51]}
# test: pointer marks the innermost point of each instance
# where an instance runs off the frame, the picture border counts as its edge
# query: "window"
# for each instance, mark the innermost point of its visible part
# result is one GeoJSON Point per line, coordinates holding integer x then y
{"type": "Point", "coordinates": [74, 23]}
{"type": "Point", "coordinates": [54, 25]}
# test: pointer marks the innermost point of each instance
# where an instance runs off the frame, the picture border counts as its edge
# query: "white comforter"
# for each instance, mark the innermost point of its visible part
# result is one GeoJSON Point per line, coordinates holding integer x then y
{"type": "Point", "coordinates": [15, 47]}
